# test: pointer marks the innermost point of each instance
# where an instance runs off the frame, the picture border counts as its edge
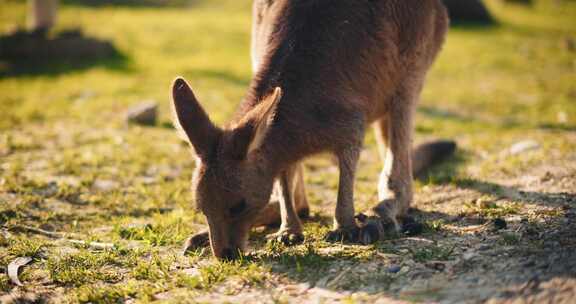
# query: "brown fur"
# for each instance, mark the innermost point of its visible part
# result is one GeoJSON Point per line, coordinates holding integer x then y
{"type": "Point", "coordinates": [324, 71]}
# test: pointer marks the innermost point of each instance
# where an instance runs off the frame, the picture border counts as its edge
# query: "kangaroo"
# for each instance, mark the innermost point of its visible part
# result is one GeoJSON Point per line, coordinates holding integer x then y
{"type": "Point", "coordinates": [324, 70]}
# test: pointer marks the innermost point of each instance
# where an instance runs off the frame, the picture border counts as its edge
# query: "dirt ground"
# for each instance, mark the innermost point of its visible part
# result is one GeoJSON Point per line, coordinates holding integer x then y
{"type": "Point", "coordinates": [469, 259]}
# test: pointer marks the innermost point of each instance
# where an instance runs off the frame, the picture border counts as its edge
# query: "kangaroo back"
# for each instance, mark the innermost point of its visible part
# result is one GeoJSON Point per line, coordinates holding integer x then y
{"type": "Point", "coordinates": [336, 57]}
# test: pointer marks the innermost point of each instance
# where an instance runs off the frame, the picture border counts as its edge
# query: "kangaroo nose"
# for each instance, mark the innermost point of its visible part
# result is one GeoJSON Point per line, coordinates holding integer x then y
{"type": "Point", "coordinates": [229, 254]}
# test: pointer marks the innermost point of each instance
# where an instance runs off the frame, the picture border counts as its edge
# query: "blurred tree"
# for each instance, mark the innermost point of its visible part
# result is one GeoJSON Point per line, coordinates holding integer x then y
{"type": "Point", "coordinates": [468, 11]}
{"type": "Point", "coordinates": [42, 15]}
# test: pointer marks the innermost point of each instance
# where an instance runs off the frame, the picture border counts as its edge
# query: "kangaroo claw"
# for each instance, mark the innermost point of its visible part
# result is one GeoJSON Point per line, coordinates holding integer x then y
{"type": "Point", "coordinates": [196, 241]}
{"type": "Point", "coordinates": [286, 237]}
{"type": "Point", "coordinates": [370, 233]}
{"type": "Point", "coordinates": [410, 227]}
{"type": "Point", "coordinates": [343, 235]}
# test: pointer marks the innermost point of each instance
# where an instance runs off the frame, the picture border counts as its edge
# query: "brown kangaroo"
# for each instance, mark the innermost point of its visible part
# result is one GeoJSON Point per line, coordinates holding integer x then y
{"type": "Point", "coordinates": [323, 71]}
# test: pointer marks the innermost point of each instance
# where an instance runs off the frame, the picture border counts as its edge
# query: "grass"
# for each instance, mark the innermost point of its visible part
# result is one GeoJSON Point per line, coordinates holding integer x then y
{"type": "Point", "coordinates": [83, 268]}
{"type": "Point", "coordinates": [69, 164]}
{"type": "Point", "coordinates": [432, 253]}
{"type": "Point", "coordinates": [510, 239]}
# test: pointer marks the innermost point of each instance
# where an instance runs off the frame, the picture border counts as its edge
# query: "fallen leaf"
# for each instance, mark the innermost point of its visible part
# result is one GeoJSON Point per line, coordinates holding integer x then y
{"type": "Point", "coordinates": [14, 266]}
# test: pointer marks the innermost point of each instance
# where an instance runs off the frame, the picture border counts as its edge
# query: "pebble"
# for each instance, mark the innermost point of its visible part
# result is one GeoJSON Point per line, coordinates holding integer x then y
{"type": "Point", "coordinates": [144, 113]}
{"type": "Point", "coordinates": [529, 264]}
{"type": "Point", "coordinates": [436, 265]}
{"type": "Point", "coordinates": [105, 185]}
{"type": "Point", "coordinates": [523, 146]}
{"type": "Point", "coordinates": [473, 280]}
{"type": "Point", "coordinates": [468, 256]}
{"type": "Point", "coordinates": [500, 223]}
{"type": "Point", "coordinates": [484, 247]}
{"type": "Point", "coordinates": [394, 269]}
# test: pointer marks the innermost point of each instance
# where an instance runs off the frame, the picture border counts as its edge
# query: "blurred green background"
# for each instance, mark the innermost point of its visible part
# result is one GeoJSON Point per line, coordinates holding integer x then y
{"type": "Point", "coordinates": [517, 73]}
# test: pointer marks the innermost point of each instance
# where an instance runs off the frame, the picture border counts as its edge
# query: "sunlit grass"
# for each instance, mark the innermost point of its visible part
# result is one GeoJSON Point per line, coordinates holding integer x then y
{"type": "Point", "coordinates": [69, 163]}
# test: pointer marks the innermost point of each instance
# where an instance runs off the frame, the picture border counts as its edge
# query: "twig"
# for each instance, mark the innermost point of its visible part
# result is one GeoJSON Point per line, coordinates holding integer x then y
{"type": "Point", "coordinates": [95, 245]}
{"type": "Point", "coordinates": [50, 234]}
{"type": "Point", "coordinates": [13, 269]}
{"type": "Point", "coordinates": [417, 239]}
{"type": "Point", "coordinates": [61, 235]}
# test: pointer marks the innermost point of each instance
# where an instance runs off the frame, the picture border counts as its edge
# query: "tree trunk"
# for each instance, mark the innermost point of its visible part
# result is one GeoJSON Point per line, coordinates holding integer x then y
{"type": "Point", "coordinates": [41, 14]}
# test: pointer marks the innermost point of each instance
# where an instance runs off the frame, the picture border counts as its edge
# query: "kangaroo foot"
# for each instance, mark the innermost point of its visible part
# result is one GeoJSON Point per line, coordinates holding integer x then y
{"type": "Point", "coordinates": [286, 237]}
{"type": "Point", "coordinates": [344, 235]}
{"type": "Point", "coordinates": [379, 222]}
{"type": "Point", "coordinates": [411, 227]}
{"type": "Point", "coordinates": [196, 241]}
{"type": "Point", "coordinates": [373, 228]}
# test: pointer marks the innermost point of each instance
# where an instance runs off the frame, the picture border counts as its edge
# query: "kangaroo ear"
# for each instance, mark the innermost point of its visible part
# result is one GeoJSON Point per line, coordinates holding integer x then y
{"type": "Point", "coordinates": [265, 118]}
{"type": "Point", "coordinates": [252, 129]}
{"type": "Point", "coordinates": [192, 119]}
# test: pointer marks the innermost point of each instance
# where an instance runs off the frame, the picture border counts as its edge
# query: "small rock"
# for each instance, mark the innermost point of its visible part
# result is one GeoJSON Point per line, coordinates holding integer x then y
{"type": "Point", "coordinates": [468, 256]}
{"type": "Point", "coordinates": [436, 265]}
{"type": "Point", "coordinates": [47, 227]}
{"type": "Point", "coordinates": [529, 264]}
{"type": "Point", "coordinates": [147, 180]}
{"type": "Point", "coordinates": [404, 270]}
{"type": "Point", "coordinates": [394, 269]}
{"type": "Point", "coordinates": [532, 231]}
{"type": "Point", "coordinates": [143, 114]}
{"type": "Point", "coordinates": [523, 146]}
{"type": "Point", "coordinates": [547, 177]}
{"type": "Point", "coordinates": [484, 247]}
{"type": "Point", "coordinates": [105, 185]}
{"type": "Point", "coordinates": [473, 280]}
{"type": "Point", "coordinates": [192, 272]}
{"type": "Point", "coordinates": [500, 223]}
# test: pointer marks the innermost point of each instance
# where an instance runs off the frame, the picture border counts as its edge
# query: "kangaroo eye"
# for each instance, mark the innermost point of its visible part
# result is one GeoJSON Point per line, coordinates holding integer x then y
{"type": "Point", "coordinates": [238, 208]}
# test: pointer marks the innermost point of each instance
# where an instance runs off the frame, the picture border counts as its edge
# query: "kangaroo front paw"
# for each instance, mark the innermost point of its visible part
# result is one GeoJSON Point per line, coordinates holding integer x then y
{"type": "Point", "coordinates": [371, 232]}
{"type": "Point", "coordinates": [197, 241]}
{"type": "Point", "coordinates": [345, 235]}
{"type": "Point", "coordinates": [286, 237]}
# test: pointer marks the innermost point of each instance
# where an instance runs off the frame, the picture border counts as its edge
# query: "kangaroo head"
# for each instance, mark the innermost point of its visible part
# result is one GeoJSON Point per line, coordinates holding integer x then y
{"type": "Point", "coordinates": [232, 181]}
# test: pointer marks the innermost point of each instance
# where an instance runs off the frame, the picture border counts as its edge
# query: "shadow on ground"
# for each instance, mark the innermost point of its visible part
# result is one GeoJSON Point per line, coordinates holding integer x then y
{"type": "Point", "coordinates": [455, 257]}
{"type": "Point", "coordinates": [25, 53]}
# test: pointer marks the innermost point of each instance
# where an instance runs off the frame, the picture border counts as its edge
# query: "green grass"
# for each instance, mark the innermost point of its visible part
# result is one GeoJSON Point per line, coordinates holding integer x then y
{"type": "Point", "coordinates": [69, 164]}
{"type": "Point", "coordinates": [83, 268]}
{"type": "Point", "coordinates": [432, 253]}
{"type": "Point", "coordinates": [509, 239]}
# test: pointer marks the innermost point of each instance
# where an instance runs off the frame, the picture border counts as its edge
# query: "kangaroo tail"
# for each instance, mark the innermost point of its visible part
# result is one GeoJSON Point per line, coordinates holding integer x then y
{"type": "Point", "coordinates": [428, 154]}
